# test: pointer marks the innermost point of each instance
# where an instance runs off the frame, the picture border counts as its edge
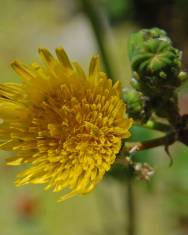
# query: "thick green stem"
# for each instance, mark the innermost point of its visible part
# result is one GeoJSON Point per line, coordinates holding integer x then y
{"type": "Point", "coordinates": [131, 207]}
{"type": "Point", "coordinates": [99, 28]}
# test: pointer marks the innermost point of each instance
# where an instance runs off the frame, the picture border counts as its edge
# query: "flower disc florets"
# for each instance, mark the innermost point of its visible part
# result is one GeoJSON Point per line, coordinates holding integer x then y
{"type": "Point", "coordinates": [66, 125]}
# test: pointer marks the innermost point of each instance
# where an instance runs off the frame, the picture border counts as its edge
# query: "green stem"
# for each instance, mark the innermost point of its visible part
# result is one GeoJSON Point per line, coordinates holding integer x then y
{"type": "Point", "coordinates": [140, 146]}
{"type": "Point", "coordinates": [131, 206]}
{"type": "Point", "coordinates": [158, 126]}
{"type": "Point", "coordinates": [99, 28]}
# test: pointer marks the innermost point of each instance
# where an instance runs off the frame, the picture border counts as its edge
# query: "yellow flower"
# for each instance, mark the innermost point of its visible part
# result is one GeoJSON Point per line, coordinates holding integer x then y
{"type": "Point", "coordinates": [66, 125]}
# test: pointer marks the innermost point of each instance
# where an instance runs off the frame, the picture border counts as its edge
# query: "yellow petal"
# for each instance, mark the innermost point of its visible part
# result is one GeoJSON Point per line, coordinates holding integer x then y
{"type": "Point", "coordinates": [23, 70]}
{"type": "Point", "coordinates": [68, 196]}
{"type": "Point", "coordinates": [63, 58]}
{"type": "Point", "coordinates": [8, 145]}
{"type": "Point", "coordinates": [94, 67]}
{"type": "Point", "coordinates": [14, 161]}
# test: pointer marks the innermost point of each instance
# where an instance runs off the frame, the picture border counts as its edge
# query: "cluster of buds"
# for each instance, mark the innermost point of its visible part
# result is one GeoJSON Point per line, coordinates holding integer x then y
{"type": "Point", "coordinates": [155, 63]}
{"type": "Point", "coordinates": [157, 71]}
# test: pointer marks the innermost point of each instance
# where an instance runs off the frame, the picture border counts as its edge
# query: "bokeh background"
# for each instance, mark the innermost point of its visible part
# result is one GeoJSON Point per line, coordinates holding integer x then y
{"type": "Point", "coordinates": [162, 203]}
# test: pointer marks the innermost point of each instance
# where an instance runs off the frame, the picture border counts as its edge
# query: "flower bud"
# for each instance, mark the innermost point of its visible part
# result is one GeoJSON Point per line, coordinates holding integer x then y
{"type": "Point", "coordinates": [137, 105]}
{"type": "Point", "coordinates": [155, 62]}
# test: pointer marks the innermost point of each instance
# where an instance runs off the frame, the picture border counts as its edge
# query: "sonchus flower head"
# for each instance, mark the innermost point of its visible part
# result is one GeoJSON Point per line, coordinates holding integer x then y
{"type": "Point", "coordinates": [67, 126]}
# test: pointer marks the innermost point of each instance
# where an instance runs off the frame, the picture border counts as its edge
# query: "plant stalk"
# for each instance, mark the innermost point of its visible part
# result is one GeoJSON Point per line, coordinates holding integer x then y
{"type": "Point", "coordinates": [140, 146]}
{"type": "Point", "coordinates": [96, 19]}
{"type": "Point", "coordinates": [131, 207]}
{"type": "Point", "coordinates": [158, 126]}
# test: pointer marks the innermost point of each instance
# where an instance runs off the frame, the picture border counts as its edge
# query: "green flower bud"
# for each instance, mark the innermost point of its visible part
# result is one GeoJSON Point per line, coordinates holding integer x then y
{"type": "Point", "coordinates": [182, 76]}
{"type": "Point", "coordinates": [137, 105]}
{"type": "Point", "coordinates": [155, 61]}
{"type": "Point", "coordinates": [135, 83]}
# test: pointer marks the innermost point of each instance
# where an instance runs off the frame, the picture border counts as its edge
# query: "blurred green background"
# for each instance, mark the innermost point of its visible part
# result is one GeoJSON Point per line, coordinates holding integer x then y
{"type": "Point", "coordinates": [161, 204]}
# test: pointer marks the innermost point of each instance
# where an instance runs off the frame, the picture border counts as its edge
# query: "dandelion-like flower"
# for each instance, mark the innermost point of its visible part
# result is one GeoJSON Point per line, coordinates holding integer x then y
{"type": "Point", "coordinates": [67, 126]}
